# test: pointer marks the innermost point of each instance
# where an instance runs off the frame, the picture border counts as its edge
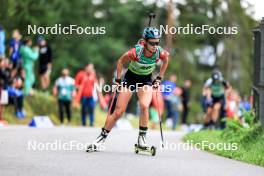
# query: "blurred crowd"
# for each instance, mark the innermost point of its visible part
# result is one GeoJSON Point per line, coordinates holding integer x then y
{"type": "Point", "coordinates": [17, 68]}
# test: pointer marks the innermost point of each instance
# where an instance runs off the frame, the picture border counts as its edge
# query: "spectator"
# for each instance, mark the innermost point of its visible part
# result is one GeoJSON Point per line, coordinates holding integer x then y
{"type": "Point", "coordinates": [185, 101]}
{"type": "Point", "coordinates": [14, 54]}
{"type": "Point", "coordinates": [85, 81]}
{"type": "Point", "coordinates": [245, 104]}
{"type": "Point", "coordinates": [5, 77]}
{"type": "Point", "coordinates": [5, 73]}
{"type": "Point", "coordinates": [78, 81]}
{"type": "Point", "coordinates": [169, 86]}
{"type": "Point", "coordinates": [45, 63]}
{"type": "Point", "coordinates": [96, 94]}
{"type": "Point", "coordinates": [176, 106]}
{"type": "Point", "coordinates": [2, 42]}
{"type": "Point", "coordinates": [15, 94]}
{"type": "Point", "coordinates": [29, 56]}
{"type": "Point", "coordinates": [64, 90]}
{"type": "Point", "coordinates": [232, 104]}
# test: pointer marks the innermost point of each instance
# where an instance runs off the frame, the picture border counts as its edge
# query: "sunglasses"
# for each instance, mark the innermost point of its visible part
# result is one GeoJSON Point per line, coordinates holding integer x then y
{"type": "Point", "coordinates": [154, 43]}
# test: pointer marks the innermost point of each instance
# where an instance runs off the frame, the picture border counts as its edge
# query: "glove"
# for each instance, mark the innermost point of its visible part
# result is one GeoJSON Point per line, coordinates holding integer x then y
{"type": "Point", "coordinates": [156, 82]}
{"type": "Point", "coordinates": [116, 84]}
{"type": "Point", "coordinates": [117, 81]}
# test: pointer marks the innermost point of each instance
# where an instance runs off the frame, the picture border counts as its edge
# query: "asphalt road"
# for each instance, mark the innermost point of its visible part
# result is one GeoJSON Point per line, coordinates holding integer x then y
{"type": "Point", "coordinates": [59, 151]}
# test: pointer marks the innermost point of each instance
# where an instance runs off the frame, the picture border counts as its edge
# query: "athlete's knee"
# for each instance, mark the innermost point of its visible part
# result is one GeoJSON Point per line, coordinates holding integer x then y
{"type": "Point", "coordinates": [144, 107]}
{"type": "Point", "coordinates": [217, 106]}
{"type": "Point", "coordinates": [118, 112]}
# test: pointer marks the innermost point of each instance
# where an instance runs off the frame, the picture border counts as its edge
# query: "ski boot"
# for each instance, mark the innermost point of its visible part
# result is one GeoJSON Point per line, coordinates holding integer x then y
{"type": "Point", "coordinates": [141, 146]}
{"type": "Point", "coordinates": [98, 144]}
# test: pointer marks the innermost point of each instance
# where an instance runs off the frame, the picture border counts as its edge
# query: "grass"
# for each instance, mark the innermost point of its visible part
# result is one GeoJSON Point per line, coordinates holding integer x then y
{"type": "Point", "coordinates": [46, 104]}
{"type": "Point", "coordinates": [249, 142]}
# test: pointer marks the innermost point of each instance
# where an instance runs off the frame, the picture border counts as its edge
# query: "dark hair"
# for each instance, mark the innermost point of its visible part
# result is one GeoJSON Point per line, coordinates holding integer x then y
{"type": "Point", "coordinates": [40, 38]}
{"type": "Point", "coordinates": [26, 40]}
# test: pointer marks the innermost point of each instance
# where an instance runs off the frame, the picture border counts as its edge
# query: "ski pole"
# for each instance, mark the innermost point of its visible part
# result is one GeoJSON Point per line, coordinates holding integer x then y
{"type": "Point", "coordinates": [111, 103]}
{"type": "Point", "coordinates": [151, 15]}
{"type": "Point", "coordinates": [160, 121]}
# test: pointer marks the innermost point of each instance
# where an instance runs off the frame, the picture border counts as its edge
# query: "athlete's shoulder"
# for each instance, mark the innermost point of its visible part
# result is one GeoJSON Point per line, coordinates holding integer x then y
{"type": "Point", "coordinates": [163, 53]}
{"type": "Point", "coordinates": [132, 54]}
{"type": "Point", "coordinates": [208, 82]}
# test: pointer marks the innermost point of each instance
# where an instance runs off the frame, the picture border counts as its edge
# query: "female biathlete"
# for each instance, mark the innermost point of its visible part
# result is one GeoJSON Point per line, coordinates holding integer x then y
{"type": "Point", "coordinates": [143, 59]}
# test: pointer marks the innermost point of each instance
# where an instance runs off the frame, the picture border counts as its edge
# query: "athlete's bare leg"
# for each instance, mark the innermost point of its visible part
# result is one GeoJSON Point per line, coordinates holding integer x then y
{"type": "Point", "coordinates": [121, 104]}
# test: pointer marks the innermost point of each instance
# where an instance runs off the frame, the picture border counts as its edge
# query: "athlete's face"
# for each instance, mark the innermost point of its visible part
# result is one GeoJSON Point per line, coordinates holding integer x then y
{"type": "Point", "coordinates": [152, 45]}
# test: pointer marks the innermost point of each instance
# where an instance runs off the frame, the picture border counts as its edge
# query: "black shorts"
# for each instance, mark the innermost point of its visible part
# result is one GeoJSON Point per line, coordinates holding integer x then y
{"type": "Point", "coordinates": [217, 99]}
{"type": "Point", "coordinates": [132, 80]}
{"type": "Point", "coordinates": [43, 69]}
{"type": "Point", "coordinates": [220, 100]}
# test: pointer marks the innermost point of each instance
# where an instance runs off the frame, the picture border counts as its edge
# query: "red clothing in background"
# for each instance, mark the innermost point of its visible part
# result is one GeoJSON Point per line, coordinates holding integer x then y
{"type": "Point", "coordinates": [79, 77]}
{"type": "Point", "coordinates": [88, 83]}
{"type": "Point", "coordinates": [85, 83]}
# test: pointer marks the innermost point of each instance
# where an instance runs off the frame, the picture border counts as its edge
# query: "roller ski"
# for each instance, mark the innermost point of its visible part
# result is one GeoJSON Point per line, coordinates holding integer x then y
{"type": "Point", "coordinates": [151, 150]}
{"type": "Point", "coordinates": [142, 147]}
{"type": "Point", "coordinates": [98, 144]}
{"type": "Point", "coordinates": [93, 148]}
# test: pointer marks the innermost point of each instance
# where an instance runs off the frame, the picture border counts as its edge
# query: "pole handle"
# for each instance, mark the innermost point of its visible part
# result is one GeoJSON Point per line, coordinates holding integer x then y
{"type": "Point", "coordinates": [151, 15]}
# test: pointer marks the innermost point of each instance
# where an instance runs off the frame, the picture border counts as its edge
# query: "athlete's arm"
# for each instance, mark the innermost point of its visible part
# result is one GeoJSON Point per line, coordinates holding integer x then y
{"type": "Point", "coordinates": [206, 88]}
{"type": "Point", "coordinates": [121, 61]}
{"type": "Point", "coordinates": [165, 62]}
{"type": "Point", "coordinates": [227, 85]}
{"type": "Point", "coordinates": [208, 83]}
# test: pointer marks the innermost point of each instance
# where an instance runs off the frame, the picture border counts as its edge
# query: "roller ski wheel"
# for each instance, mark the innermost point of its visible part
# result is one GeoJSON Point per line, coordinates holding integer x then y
{"type": "Point", "coordinates": [92, 148]}
{"type": "Point", "coordinates": [151, 150]}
